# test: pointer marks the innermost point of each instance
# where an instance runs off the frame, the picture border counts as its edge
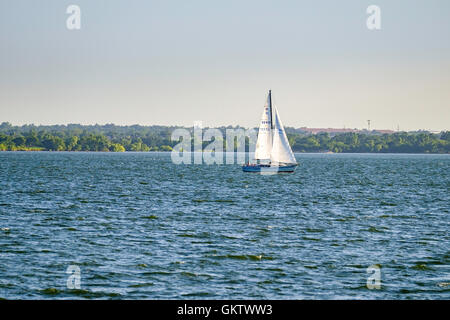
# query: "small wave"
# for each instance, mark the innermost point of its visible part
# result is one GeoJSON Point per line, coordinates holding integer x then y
{"type": "Point", "coordinates": [360, 266]}
{"type": "Point", "coordinates": [50, 291]}
{"type": "Point", "coordinates": [356, 240]}
{"type": "Point", "coordinates": [199, 200]}
{"type": "Point", "coordinates": [384, 216]}
{"type": "Point", "coordinates": [388, 204]}
{"type": "Point", "coordinates": [345, 219]}
{"type": "Point", "coordinates": [79, 292]}
{"type": "Point", "coordinates": [92, 294]}
{"type": "Point", "coordinates": [421, 267]}
{"type": "Point", "coordinates": [228, 236]}
{"type": "Point", "coordinates": [186, 235]}
{"type": "Point", "coordinates": [197, 294]}
{"type": "Point", "coordinates": [38, 191]}
{"type": "Point", "coordinates": [274, 269]}
{"type": "Point", "coordinates": [312, 230]}
{"type": "Point", "coordinates": [236, 256]}
{"type": "Point", "coordinates": [310, 239]}
{"type": "Point", "coordinates": [360, 287]}
{"type": "Point", "coordinates": [216, 200]}
{"type": "Point", "coordinates": [188, 274]}
{"type": "Point", "coordinates": [37, 210]}
{"type": "Point", "coordinates": [161, 273]}
{"type": "Point", "coordinates": [245, 257]}
{"type": "Point", "coordinates": [18, 251]}
{"type": "Point", "coordinates": [99, 276]}
{"type": "Point", "coordinates": [150, 217]}
{"type": "Point", "coordinates": [373, 229]}
{"type": "Point", "coordinates": [202, 242]}
{"type": "Point", "coordinates": [142, 285]}
{"type": "Point", "coordinates": [70, 206]}
{"type": "Point", "coordinates": [265, 282]}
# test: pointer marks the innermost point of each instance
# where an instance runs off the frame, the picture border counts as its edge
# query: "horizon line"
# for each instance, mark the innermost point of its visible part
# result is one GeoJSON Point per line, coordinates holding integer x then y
{"type": "Point", "coordinates": [229, 125]}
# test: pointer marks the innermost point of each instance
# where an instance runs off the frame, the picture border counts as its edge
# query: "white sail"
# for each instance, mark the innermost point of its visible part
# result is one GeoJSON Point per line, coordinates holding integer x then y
{"type": "Point", "coordinates": [264, 143]}
{"type": "Point", "coordinates": [281, 150]}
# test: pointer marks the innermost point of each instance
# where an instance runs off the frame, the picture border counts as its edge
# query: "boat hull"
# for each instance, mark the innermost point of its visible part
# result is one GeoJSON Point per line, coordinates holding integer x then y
{"type": "Point", "coordinates": [264, 168]}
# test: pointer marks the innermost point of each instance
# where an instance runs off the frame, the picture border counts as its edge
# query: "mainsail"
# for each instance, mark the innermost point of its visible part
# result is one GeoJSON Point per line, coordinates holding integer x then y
{"type": "Point", "coordinates": [264, 142]}
{"type": "Point", "coordinates": [272, 143]}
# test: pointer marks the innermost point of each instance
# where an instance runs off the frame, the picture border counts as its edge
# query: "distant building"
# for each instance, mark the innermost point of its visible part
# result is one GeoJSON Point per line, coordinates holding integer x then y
{"type": "Point", "coordinates": [344, 130]}
{"type": "Point", "coordinates": [385, 131]}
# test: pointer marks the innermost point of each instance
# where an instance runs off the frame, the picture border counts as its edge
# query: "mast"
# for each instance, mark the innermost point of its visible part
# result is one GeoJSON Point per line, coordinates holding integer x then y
{"type": "Point", "coordinates": [270, 108]}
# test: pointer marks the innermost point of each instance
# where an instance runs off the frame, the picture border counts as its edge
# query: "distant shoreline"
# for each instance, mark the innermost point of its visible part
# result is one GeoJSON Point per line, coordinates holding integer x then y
{"type": "Point", "coordinates": [154, 151]}
{"type": "Point", "coordinates": [112, 138]}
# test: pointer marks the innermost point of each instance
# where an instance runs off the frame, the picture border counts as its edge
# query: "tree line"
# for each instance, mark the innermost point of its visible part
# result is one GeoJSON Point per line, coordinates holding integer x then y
{"type": "Point", "coordinates": [401, 142]}
{"type": "Point", "coordinates": [113, 138]}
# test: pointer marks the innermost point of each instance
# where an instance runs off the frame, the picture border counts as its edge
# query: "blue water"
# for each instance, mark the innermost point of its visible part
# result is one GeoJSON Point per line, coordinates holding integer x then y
{"type": "Point", "coordinates": [140, 227]}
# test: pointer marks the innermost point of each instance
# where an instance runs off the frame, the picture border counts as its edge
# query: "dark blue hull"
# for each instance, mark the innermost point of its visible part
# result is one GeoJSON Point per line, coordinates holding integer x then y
{"type": "Point", "coordinates": [265, 168]}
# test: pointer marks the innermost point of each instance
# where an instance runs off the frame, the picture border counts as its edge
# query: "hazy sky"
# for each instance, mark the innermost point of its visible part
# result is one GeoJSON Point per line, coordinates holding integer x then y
{"type": "Point", "coordinates": [176, 62]}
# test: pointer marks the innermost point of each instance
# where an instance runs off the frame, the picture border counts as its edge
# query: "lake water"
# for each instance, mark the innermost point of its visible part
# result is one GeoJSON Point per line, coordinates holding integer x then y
{"type": "Point", "coordinates": [139, 227]}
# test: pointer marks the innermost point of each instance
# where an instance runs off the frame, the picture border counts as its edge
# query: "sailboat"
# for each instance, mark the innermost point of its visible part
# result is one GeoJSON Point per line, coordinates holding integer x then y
{"type": "Point", "coordinates": [273, 152]}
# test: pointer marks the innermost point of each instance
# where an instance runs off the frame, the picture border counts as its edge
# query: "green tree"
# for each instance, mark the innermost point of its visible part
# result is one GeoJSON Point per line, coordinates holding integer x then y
{"type": "Point", "coordinates": [19, 141]}
{"type": "Point", "coordinates": [72, 143]}
{"type": "Point", "coordinates": [53, 143]}
{"type": "Point", "coordinates": [116, 147]}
